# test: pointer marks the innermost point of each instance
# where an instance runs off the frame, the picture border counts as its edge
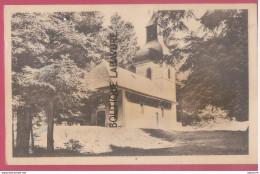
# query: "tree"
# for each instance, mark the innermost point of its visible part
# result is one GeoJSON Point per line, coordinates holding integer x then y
{"type": "Point", "coordinates": [216, 59]}
{"type": "Point", "coordinates": [173, 23]}
{"type": "Point", "coordinates": [127, 40]}
{"type": "Point", "coordinates": [38, 42]}
{"type": "Point", "coordinates": [65, 88]}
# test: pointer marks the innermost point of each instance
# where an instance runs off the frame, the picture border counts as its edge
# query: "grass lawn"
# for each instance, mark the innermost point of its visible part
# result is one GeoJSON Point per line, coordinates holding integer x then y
{"type": "Point", "coordinates": [184, 143]}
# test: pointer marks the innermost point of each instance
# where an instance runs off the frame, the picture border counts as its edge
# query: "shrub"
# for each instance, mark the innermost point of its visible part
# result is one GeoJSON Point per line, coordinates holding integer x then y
{"type": "Point", "coordinates": [73, 145]}
{"type": "Point", "coordinates": [210, 116]}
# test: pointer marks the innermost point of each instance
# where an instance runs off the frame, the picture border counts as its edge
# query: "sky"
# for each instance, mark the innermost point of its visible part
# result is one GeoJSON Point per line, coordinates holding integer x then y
{"type": "Point", "coordinates": [139, 19]}
{"type": "Point", "coordinates": [142, 16]}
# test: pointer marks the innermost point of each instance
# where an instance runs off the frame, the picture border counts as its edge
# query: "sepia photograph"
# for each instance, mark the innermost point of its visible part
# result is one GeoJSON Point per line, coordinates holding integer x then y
{"type": "Point", "coordinates": [137, 82]}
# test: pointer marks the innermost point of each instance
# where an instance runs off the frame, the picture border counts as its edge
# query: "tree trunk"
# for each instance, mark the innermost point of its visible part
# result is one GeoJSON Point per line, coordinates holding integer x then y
{"type": "Point", "coordinates": [13, 134]}
{"type": "Point", "coordinates": [31, 126]}
{"type": "Point", "coordinates": [23, 132]}
{"type": "Point", "coordinates": [50, 121]}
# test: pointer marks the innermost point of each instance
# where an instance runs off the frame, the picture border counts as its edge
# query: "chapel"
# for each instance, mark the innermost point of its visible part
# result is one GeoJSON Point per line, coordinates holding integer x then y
{"type": "Point", "coordinates": [146, 98]}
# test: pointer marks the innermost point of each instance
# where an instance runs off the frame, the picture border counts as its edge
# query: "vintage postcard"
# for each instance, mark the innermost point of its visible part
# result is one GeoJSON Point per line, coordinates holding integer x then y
{"type": "Point", "coordinates": [131, 84]}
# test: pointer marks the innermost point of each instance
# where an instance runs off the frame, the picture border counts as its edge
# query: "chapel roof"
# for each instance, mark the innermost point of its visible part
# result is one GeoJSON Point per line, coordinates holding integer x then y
{"type": "Point", "coordinates": [100, 77]}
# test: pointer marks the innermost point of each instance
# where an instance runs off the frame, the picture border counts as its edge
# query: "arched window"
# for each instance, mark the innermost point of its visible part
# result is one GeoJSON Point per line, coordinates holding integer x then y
{"type": "Point", "coordinates": [142, 108]}
{"type": "Point", "coordinates": [169, 73]}
{"type": "Point", "coordinates": [149, 73]}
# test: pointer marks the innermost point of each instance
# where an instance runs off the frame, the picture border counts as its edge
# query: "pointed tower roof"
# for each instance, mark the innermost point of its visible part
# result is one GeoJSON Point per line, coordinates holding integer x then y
{"type": "Point", "coordinates": [152, 20]}
{"type": "Point", "coordinates": [152, 50]}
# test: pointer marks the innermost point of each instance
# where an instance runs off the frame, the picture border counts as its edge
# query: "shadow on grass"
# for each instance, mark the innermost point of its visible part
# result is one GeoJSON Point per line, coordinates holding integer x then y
{"type": "Point", "coordinates": [216, 142]}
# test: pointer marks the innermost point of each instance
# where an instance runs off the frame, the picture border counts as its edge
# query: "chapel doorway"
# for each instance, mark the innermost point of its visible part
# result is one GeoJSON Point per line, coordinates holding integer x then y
{"type": "Point", "coordinates": [101, 118]}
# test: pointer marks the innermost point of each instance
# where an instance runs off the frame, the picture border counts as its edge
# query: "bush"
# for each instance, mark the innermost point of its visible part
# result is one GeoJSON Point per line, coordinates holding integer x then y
{"type": "Point", "coordinates": [189, 119]}
{"type": "Point", "coordinates": [210, 116]}
{"type": "Point", "coordinates": [73, 145]}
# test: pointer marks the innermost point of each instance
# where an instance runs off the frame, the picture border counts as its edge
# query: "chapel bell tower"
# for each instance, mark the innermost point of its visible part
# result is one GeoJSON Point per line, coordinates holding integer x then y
{"type": "Point", "coordinates": [148, 57]}
{"type": "Point", "coordinates": [151, 33]}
